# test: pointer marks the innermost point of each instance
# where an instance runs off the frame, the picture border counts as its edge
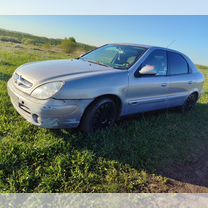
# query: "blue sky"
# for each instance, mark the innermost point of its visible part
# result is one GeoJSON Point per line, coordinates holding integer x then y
{"type": "Point", "coordinates": [189, 32]}
{"type": "Point", "coordinates": [103, 7]}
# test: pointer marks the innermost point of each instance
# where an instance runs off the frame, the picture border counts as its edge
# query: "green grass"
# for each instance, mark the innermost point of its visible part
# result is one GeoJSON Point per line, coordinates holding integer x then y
{"type": "Point", "coordinates": [140, 154]}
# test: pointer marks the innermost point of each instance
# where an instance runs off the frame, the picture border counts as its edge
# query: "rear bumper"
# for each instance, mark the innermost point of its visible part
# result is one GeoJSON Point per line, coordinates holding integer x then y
{"type": "Point", "coordinates": [48, 113]}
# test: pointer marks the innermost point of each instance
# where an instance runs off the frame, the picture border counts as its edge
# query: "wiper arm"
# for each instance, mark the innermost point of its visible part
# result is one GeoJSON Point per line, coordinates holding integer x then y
{"type": "Point", "coordinates": [99, 63]}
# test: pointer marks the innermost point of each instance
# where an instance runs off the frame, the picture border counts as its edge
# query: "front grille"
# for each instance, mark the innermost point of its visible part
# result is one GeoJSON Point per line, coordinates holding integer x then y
{"type": "Point", "coordinates": [22, 82]}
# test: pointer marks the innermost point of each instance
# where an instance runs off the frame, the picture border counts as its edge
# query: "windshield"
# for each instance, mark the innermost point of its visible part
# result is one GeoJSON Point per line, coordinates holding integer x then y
{"type": "Point", "coordinates": [116, 56]}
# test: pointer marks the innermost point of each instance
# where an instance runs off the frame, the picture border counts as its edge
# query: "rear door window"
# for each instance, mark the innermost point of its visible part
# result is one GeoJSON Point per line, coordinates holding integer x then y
{"type": "Point", "coordinates": [177, 64]}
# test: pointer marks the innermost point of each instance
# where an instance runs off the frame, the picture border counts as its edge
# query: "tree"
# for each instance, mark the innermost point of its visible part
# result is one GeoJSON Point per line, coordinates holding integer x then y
{"type": "Point", "coordinates": [28, 41]}
{"type": "Point", "coordinates": [68, 45]}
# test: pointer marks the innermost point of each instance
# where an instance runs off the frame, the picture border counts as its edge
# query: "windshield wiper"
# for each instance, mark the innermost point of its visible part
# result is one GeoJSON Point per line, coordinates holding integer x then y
{"type": "Point", "coordinates": [97, 62]}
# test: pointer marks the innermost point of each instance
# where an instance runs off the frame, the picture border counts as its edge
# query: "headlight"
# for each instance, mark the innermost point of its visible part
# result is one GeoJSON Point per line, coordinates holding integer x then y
{"type": "Point", "coordinates": [47, 90]}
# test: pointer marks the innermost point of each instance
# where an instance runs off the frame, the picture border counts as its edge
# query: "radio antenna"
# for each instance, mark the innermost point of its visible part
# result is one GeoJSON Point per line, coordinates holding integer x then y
{"type": "Point", "coordinates": [171, 43]}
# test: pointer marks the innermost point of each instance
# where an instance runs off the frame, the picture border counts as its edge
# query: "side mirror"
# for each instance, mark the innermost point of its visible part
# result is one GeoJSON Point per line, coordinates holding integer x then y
{"type": "Point", "coordinates": [147, 70]}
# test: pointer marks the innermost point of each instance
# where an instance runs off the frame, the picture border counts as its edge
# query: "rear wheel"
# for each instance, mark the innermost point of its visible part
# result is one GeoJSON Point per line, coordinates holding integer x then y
{"type": "Point", "coordinates": [190, 103]}
{"type": "Point", "coordinates": [100, 115]}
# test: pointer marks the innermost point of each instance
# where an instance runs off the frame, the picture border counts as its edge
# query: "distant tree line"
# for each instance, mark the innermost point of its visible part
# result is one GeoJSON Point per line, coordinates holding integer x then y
{"type": "Point", "coordinates": [9, 39]}
{"type": "Point", "coordinates": [68, 44]}
{"type": "Point", "coordinates": [22, 37]}
{"type": "Point", "coordinates": [202, 66]}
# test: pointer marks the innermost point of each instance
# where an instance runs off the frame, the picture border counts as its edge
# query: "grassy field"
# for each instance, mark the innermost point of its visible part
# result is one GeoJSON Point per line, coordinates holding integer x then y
{"type": "Point", "coordinates": [155, 152]}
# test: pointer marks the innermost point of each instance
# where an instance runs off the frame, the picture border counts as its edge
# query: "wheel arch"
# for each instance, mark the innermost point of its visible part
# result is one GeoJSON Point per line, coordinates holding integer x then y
{"type": "Point", "coordinates": [113, 97]}
{"type": "Point", "coordinates": [196, 93]}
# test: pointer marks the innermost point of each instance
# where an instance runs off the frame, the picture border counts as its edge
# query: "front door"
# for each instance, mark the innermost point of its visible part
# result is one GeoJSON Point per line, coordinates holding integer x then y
{"type": "Point", "coordinates": [148, 91]}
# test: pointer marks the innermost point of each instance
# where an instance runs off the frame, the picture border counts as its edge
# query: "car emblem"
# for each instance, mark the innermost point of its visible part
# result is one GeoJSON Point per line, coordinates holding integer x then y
{"type": "Point", "coordinates": [18, 80]}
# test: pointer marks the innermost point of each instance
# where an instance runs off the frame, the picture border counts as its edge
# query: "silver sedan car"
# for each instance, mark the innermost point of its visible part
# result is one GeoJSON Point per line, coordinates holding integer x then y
{"type": "Point", "coordinates": [93, 91]}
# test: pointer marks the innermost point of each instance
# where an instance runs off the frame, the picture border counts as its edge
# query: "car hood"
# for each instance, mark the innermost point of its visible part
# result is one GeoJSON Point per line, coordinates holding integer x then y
{"type": "Point", "coordinates": [39, 72]}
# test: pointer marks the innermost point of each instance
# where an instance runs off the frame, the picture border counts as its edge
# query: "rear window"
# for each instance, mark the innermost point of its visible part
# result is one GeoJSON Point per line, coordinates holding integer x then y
{"type": "Point", "coordinates": [177, 64]}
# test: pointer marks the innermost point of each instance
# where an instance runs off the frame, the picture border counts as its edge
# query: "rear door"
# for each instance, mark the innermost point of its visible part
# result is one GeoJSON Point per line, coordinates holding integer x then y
{"type": "Point", "coordinates": [180, 79]}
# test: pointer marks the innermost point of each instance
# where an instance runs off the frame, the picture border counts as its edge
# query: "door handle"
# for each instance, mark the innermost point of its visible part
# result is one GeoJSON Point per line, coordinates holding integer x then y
{"type": "Point", "coordinates": [189, 82]}
{"type": "Point", "coordinates": [163, 84]}
{"type": "Point", "coordinates": [134, 103]}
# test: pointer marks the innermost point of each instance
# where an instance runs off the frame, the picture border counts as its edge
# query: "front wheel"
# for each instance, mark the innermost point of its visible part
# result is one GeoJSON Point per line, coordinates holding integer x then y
{"type": "Point", "coordinates": [100, 115]}
{"type": "Point", "coordinates": [190, 103]}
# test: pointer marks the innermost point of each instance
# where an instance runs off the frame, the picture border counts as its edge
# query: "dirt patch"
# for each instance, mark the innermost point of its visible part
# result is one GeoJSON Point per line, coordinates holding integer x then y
{"type": "Point", "coordinates": [179, 187]}
{"type": "Point", "coordinates": [190, 178]}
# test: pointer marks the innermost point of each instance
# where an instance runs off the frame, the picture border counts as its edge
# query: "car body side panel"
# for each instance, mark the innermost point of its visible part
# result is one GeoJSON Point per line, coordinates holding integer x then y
{"type": "Point", "coordinates": [147, 93]}
{"type": "Point", "coordinates": [181, 86]}
{"type": "Point", "coordinates": [97, 85]}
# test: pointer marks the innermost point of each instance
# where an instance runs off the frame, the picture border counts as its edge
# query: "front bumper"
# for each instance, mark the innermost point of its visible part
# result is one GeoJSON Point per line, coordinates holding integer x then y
{"type": "Point", "coordinates": [50, 113]}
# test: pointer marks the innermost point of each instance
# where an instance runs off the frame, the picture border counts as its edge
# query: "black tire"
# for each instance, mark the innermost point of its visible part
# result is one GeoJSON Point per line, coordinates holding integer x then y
{"type": "Point", "coordinates": [100, 115]}
{"type": "Point", "coordinates": [190, 103]}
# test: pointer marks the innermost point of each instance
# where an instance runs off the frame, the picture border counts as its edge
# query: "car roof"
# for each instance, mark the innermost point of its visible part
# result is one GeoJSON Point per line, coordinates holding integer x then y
{"type": "Point", "coordinates": [145, 46]}
{"type": "Point", "coordinates": [132, 44]}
